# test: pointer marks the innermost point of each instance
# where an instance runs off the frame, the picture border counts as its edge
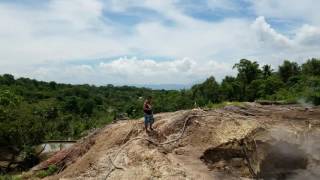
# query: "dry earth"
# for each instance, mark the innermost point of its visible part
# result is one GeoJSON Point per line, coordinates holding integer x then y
{"type": "Point", "coordinates": [252, 141]}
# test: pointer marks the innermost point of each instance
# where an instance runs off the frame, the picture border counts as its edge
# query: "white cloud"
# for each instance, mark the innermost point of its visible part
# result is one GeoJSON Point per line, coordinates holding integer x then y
{"type": "Point", "coordinates": [268, 36]}
{"type": "Point", "coordinates": [81, 14]}
{"type": "Point", "coordinates": [131, 71]}
{"type": "Point", "coordinates": [306, 10]}
{"type": "Point", "coordinates": [39, 37]}
{"type": "Point", "coordinates": [62, 30]}
{"type": "Point", "coordinates": [273, 47]}
{"type": "Point", "coordinates": [308, 35]}
{"type": "Point", "coordinates": [166, 8]}
{"type": "Point", "coordinates": [199, 40]}
{"type": "Point", "coordinates": [41, 41]}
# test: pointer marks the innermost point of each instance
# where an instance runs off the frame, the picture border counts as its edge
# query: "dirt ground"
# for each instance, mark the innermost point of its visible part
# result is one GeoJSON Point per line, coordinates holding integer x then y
{"type": "Point", "coordinates": [251, 141]}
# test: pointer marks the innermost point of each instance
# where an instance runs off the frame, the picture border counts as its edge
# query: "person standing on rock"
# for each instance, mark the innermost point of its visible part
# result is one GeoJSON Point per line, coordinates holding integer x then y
{"type": "Point", "coordinates": [148, 114]}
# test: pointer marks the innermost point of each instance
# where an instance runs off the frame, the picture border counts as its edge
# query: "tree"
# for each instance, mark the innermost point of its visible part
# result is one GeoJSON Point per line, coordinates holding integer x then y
{"type": "Point", "coordinates": [87, 107]}
{"type": "Point", "coordinates": [230, 89]}
{"type": "Point", "coordinates": [253, 90]}
{"type": "Point", "coordinates": [311, 67]}
{"type": "Point", "coordinates": [53, 85]}
{"type": "Point", "coordinates": [71, 104]}
{"type": "Point", "coordinates": [247, 72]}
{"type": "Point", "coordinates": [288, 69]}
{"type": "Point", "coordinates": [184, 100]}
{"type": "Point", "coordinates": [266, 71]}
{"type": "Point", "coordinates": [7, 79]}
{"type": "Point", "coordinates": [207, 92]}
{"type": "Point", "coordinates": [271, 85]}
{"type": "Point", "coordinates": [20, 129]}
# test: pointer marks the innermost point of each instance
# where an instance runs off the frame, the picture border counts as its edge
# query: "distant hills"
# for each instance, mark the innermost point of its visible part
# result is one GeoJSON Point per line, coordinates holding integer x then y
{"type": "Point", "coordinates": [165, 86]}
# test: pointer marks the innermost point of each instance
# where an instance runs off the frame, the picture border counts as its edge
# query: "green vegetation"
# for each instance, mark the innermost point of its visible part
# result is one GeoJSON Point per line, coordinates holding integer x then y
{"type": "Point", "coordinates": [10, 177]}
{"type": "Point", "coordinates": [32, 111]}
{"type": "Point", "coordinates": [48, 172]}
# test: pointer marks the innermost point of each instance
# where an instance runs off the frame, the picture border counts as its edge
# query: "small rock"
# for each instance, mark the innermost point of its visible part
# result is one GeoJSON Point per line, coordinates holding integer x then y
{"type": "Point", "coordinates": [179, 151]}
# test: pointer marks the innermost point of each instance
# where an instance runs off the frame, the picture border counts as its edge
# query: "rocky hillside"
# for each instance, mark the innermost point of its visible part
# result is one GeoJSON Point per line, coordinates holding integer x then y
{"type": "Point", "coordinates": [248, 141]}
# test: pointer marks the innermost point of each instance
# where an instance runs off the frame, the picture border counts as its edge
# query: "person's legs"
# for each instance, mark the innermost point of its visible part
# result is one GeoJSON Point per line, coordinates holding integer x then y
{"type": "Point", "coordinates": [146, 122]}
{"type": "Point", "coordinates": [151, 121]}
{"type": "Point", "coordinates": [146, 127]}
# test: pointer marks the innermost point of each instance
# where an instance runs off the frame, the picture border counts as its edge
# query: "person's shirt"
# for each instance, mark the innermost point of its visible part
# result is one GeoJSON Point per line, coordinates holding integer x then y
{"type": "Point", "coordinates": [147, 108]}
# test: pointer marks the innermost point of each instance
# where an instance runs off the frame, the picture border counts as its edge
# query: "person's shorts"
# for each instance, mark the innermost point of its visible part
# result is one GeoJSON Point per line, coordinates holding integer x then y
{"type": "Point", "coordinates": [148, 119]}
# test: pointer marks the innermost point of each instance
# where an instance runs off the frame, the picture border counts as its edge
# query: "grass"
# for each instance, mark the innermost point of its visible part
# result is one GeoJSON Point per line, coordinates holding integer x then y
{"type": "Point", "coordinates": [48, 172]}
{"type": "Point", "coordinates": [10, 177]}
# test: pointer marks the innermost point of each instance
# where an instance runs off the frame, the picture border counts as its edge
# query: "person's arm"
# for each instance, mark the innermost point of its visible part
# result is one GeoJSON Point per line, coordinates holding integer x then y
{"type": "Point", "coordinates": [145, 106]}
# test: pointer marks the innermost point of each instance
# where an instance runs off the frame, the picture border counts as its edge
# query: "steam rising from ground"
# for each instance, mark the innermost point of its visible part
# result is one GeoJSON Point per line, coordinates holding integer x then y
{"type": "Point", "coordinates": [308, 143]}
{"type": "Point", "coordinates": [305, 103]}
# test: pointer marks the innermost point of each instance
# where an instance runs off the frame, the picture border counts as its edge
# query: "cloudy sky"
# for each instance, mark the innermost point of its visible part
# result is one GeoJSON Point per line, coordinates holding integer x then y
{"type": "Point", "coordinates": [151, 41]}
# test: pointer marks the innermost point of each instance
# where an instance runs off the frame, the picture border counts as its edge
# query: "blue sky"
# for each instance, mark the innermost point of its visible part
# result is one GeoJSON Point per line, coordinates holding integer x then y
{"type": "Point", "coordinates": [151, 41]}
